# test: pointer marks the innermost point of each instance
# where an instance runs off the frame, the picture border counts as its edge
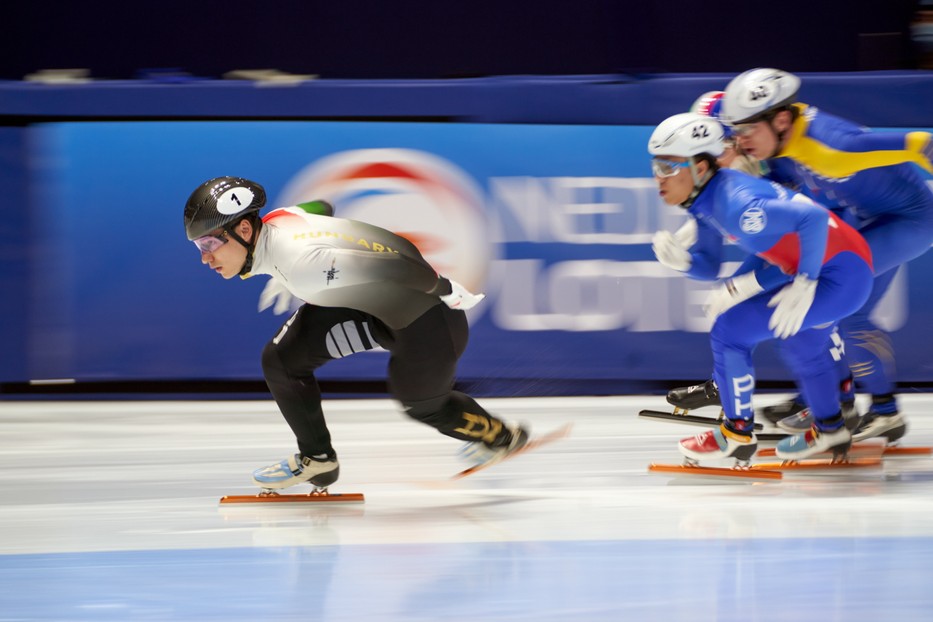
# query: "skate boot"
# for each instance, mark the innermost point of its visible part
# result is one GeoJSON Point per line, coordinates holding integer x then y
{"type": "Point", "coordinates": [795, 424]}
{"type": "Point", "coordinates": [298, 469]}
{"type": "Point", "coordinates": [719, 443]}
{"type": "Point", "coordinates": [512, 438]}
{"type": "Point", "coordinates": [781, 411]}
{"type": "Point", "coordinates": [882, 419]}
{"type": "Point", "coordinates": [891, 426]}
{"type": "Point", "coordinates": [802, 421]}
{"type": "Point", "coordinates": [696, 396]}
{"type": "Point", "coordinates": [814, 441]}
{"type": "Point", "coordinates": [850, 415]}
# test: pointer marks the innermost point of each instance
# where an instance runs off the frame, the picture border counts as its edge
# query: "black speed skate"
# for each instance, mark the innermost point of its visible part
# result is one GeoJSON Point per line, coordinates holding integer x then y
{"type": "Point", "coordinates": [684, 399]}
{"type": "Point", "coordinates": [803, 420]}
{"type": "Point", "coordinates": [696, 396]}
{"type": "Point", "coordinates": [892, 427]}
{"type": "Point", "coordinates": [794, 416]}
{"type": "Point", "coordinates": [777, 412]}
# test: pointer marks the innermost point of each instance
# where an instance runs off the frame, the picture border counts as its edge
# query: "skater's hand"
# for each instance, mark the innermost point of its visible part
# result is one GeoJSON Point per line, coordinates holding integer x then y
{"type": "Point", "coordinates": [460, 297]}
{"type": "Point", "coordinates": [276, 294]}
{"type": "Point", "coordinates": [791, 305]}
{"type": "Point", "coordinates": [730, 293]}
{"type": "Point", "coordinates": [686, 236]}
{"type": "Point", "coordinates": [669, 251]}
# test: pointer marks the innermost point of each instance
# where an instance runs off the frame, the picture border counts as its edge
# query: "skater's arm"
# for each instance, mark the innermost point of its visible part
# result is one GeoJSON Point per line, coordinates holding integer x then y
{"type": "Point", "coordinates": [784, 226]}
{"type": "Point", "coordinates": [705, 254]}
{"type": "Point", "coordinates": [854, 151]}
{"type": "Point", "coordinates": [767, 275]}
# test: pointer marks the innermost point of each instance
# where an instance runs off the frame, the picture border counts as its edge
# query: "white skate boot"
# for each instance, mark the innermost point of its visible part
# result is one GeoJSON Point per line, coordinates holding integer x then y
{"type": "Point", "coordinates": [890, 426]}
{"type": "Point", "coordinates": [482, 454]}
{"type": "Point", "coordinates": [717, 444]}
{"type": "Point", "coordinates": [815, 441]}
{"type": "Point", "coordinates": [297, 469]}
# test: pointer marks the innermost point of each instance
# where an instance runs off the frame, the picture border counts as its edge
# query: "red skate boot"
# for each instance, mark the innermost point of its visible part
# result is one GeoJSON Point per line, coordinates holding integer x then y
{"type": "Point", "coordinates": [723, 442]}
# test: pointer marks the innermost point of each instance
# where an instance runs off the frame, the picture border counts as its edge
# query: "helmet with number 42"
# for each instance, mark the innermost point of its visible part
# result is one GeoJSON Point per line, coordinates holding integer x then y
{"type": "Point", "coordinates": [686, 135]}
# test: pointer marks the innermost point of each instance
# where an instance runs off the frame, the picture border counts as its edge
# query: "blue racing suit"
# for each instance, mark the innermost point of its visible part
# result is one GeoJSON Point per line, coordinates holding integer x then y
{"type": "Point", "coordinates": [871, 179]}
{"type": "Point", "coordinates": [786, 234]}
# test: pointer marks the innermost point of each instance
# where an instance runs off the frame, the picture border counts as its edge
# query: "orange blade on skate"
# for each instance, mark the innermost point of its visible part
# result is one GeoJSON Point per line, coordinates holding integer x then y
{"type": "Point", "coordinates": [681, 469]}
{"type": "Point", "coordinates": [894, 452]}
{"type": "Point", "coordinates": [353, 497]}
{"type": "Point", "coordinates": [815, 464]}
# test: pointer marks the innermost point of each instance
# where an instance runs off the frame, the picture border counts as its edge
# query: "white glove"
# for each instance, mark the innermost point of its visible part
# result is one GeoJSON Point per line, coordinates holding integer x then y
{"type": "Point", "coordinates": [791, 306]}
{"type": "Point", "coordinates": [276, 294]}
{"type": "Point", "coordinates": [731, 292]}
{"type": "Point", "coordinates": [460, 298]}
{"type": "Point", "coordinates": [669, 252]}
{"type": "Point", "coordinates": [686, 236]}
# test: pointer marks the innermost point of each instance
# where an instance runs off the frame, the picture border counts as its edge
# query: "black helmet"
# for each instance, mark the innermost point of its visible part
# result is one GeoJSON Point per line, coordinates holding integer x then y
{"type": "Point", "coordinates": [220, 201]}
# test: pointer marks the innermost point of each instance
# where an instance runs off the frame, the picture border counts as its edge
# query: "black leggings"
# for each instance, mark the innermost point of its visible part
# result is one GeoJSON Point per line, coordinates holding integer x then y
{"type": "Point", "coordinates": [422, 366]}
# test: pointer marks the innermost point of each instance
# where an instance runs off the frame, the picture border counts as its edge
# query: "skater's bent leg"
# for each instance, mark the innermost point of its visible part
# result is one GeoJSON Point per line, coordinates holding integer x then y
{"type": "Point", "coordinates": [459, 416]}
{"type": "Point", "coordinates": [810, 353]}
{"type": "Point", "coordinates": [299, 400]}
{"type": "Point", "coordinates": [311, 338]}
{"type": "Point", "coordinates": [837, 350]}
{"type": "Point", "coordinates": [868, 348]}
{"type": "Point", "coordinates": [733, 339]}
{"type": "Point", "coordinates": [421, 376]}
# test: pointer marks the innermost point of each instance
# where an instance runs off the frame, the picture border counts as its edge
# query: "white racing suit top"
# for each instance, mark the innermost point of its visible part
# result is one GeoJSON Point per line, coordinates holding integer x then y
{"type": "Point", "coordinates": [335, 262]}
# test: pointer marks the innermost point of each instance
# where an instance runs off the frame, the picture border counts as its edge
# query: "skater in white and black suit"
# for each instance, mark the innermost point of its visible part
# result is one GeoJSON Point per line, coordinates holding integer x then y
{"type": "Point", "coordinates": [363, 287]}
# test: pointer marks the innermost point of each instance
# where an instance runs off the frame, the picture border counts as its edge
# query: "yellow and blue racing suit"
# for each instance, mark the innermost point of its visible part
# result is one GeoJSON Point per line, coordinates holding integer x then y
{"type": "Point", "coordinates": [874, 181]}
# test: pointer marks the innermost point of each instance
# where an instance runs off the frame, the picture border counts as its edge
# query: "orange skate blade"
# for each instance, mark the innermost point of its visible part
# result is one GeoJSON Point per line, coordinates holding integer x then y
{"type": "Point", "coordinates": [680, 469]}
{"type": "Point", "coordinates": [353, 497]}
{"type": "Point", "coordinates": [907, 451]}
{"type": "Point", "coordinates": [868, 449]}
{"type": "Point", "coordinates": [813, 464]}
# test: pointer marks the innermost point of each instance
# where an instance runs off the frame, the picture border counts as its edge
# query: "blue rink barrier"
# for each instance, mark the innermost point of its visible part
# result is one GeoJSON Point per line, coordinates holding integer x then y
{"type": "Point", "coordinates": [874, 98]}
{"type": "Point", "coordinates": [552, 220]}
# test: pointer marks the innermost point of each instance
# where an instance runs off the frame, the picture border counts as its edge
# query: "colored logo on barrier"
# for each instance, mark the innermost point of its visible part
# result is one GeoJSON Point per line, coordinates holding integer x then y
{"type": "Point", "coordinates": [415, 194]}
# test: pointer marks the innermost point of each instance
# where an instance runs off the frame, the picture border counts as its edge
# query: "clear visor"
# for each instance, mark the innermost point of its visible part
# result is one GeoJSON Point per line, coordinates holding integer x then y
{"type": "Point", "coordinates": [743, 129]}
{"type": "Point", "coordinates": [662, 167]}
{"type": "Point", "coordinates": [210, 243]}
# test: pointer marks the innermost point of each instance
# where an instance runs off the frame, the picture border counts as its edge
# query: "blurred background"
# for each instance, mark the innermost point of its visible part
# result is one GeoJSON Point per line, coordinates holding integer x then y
{"type": "Point", "coordinates": [453, 39]}
{"type": "Point", "coordinates": [508, 136]}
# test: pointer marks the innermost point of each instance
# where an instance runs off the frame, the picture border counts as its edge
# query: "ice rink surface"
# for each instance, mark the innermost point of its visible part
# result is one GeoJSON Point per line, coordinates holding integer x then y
{"type": "Point", "coordinates": [109, 511]}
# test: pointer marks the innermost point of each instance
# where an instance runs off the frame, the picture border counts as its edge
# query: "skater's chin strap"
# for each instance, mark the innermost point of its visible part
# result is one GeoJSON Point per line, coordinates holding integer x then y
{"type": "Point", "coordinates": [699, 183]}
{"type": "Point", "coordinates": [249, 246]}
